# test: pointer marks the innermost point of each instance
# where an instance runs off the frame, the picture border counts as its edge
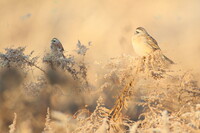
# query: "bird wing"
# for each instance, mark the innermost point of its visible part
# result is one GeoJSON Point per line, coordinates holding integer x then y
{"type": "Point", "coordinates": [169, 60]}
{"type": "Point", "coordinates": [152, 42]}
{"type": "Point", "coordinates": [60, 47]}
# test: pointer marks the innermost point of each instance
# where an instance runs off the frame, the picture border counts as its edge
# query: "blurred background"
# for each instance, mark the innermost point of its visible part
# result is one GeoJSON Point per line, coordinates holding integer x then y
{"type": "Point", "coordinates": [108, 24]}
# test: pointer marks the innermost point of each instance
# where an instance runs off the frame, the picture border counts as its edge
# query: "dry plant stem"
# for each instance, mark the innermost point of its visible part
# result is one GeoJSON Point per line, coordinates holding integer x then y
{"type": "Point", "coordinates": [165, 120]}
{"type": "Point", "coordinates": [115, 114]}
{"type": "Point", "coordinates": [119, 104]}
{"type": "Point", "coordinates": [13, 125]}
{"type": "Point", "coordinates": [37, 67]}
{"type": "Point", "coordinates": [47, 128]}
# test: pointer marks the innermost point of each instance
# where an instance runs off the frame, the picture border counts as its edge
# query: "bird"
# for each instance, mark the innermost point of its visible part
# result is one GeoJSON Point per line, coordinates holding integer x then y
{"type": "Point", "coordinates": [56, 47]}
{"type": "Point", "coordinates": [144, 44]}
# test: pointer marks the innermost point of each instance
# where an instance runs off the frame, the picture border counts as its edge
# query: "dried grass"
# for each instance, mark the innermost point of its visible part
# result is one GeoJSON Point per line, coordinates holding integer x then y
{"type": "Point", "coordinates": [47, 128]}
{"type": "Point", "coordinates": [13, 125]}
{"type": "Point", "coordinates": [165, 97]}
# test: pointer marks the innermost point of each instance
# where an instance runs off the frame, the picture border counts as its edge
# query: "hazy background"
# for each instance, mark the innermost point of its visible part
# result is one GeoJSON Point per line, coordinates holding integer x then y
{"type": "Point", "coordinates": [109, 24]}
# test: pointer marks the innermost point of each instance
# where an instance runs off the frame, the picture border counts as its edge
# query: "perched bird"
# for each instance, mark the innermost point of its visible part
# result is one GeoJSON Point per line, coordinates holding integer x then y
{"type": "Point", "coordinates": [144, 44]}
{"type": "Point", "coordinates": [56, 46]}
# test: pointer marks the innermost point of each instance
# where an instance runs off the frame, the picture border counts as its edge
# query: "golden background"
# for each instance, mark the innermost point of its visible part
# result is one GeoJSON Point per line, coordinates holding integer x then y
{"type": "Point", "coordinates": [108, 24]}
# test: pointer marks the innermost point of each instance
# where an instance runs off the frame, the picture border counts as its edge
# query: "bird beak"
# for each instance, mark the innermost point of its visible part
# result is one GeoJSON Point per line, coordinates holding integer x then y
{"type": "Point", "coordinates": [136, 32]}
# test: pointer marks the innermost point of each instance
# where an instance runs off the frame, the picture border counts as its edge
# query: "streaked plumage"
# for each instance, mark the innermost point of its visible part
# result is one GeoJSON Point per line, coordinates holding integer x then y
{"type": "Point", "coordinates": [144, 44]}
{"type": "Point", "coordinates": [56, 45]}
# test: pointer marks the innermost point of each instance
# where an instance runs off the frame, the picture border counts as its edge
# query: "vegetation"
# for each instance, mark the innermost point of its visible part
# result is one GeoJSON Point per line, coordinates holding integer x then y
{"type": "Point", "coordinates": [135, 95]}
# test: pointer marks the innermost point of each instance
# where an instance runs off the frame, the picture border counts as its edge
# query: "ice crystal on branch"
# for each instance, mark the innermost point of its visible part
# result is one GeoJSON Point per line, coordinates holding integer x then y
{"type": "Point", "coordinates": [81, 48]}
{"type": "Point", "coordinates": [16, 58]}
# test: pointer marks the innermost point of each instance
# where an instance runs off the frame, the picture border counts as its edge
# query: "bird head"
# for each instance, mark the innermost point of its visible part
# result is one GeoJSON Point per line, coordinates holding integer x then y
{"type": "Point", "coordinates": [140, 31]}
{"type": "Point", "coordinates": [55, 41]}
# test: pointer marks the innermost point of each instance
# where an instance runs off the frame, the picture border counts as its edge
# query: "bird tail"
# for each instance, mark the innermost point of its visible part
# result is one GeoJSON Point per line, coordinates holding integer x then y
{"type": "Point", "coordinates": [63, 55]}
{"type": "Point", "coordinates": [169, 60]}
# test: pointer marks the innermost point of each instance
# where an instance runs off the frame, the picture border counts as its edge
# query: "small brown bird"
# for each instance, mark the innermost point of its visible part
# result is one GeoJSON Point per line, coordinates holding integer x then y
{"type": "Point", "coordinates": [56, 46]}
{"type": "Point", "coordinates": [144, 44]}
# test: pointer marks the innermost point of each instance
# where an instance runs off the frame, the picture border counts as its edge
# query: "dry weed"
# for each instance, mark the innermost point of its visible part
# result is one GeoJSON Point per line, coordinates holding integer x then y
{"type": "Point", "coordinates": [139, 95]}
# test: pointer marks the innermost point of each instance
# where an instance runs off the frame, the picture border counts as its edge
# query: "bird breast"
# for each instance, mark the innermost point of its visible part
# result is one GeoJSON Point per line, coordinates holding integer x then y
{"type": "Point", "coordinates": [140, 45]}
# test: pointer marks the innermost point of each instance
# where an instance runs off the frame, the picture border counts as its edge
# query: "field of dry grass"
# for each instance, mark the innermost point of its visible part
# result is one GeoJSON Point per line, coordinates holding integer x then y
{"type": "Point", "coordinates": [132, 94]}
{"type": "Point", "coordinates": [100, 86]}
